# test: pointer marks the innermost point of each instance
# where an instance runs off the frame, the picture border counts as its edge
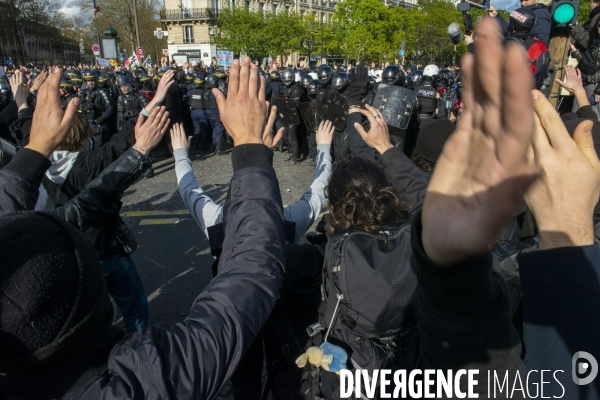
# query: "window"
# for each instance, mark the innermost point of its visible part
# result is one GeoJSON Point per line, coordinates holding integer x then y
{"type": "Point", "coordinates": [261, 6]}
{"type": "Point", "coordinates": [274, 8]}
{"type": "Point", "coordinates": [188, 34]}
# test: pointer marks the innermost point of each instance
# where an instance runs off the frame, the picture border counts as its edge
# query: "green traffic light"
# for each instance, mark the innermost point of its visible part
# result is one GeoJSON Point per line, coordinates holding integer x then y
{"type": "Point", "coordinates": [564, 13]}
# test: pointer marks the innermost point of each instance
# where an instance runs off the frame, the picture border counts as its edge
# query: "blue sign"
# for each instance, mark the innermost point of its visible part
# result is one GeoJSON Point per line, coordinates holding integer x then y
{"type": "Point", "coordinates": [9, 62]}
{"type": "Point", "coordinates": [401, 53]}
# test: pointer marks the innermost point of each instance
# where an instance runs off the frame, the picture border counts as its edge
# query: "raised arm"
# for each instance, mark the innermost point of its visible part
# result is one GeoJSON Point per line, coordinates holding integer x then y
{"type": "Point", "coordinates": [227, 315]}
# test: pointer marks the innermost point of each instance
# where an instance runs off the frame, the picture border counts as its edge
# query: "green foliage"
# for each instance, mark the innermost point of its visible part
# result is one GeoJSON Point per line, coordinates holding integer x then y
{"type": "Point", "coordinates": [584, 11]}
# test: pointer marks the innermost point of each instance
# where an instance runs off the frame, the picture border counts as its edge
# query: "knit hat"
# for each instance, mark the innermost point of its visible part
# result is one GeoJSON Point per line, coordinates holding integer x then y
{"type": "Point", "coordinates": [432, 138]}
{"type": "Point", "coordinates": [52, 293]}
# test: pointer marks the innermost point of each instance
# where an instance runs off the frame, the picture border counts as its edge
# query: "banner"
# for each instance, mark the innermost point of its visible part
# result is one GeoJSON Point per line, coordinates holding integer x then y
{"type": "Point", "coordinates": [147, 61]}
{"type": "Point", "coordinates": [103, 62]}
{"type": "Point", "coordinates": [224, 58]}
{"type": "Point", "coordinates": [131, 60]}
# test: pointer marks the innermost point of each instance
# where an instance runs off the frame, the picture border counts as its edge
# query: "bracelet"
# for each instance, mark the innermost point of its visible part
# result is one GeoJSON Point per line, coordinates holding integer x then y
{"type": "Point", "coordinates": [145, 113]}
{"type": "Point", "coordinates": [140, 150]}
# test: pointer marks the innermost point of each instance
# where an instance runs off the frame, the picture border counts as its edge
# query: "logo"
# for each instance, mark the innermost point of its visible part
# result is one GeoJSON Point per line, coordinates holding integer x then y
{"type": "Point", "coordinates": [518, 16]}
{"type": "Point", "coordinates": [580, 368]}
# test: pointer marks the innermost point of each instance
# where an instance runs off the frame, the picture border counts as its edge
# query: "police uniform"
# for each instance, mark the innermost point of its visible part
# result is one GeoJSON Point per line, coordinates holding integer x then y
{"type": "Point", "coordinates": [199, 117]}
{"type": "Point", "coordinates": [427, 105]}
{"type": "Point", "coordinates": [212, 112]}
{"type": "Point", "coordinates": [97, 108]}
{"type": "Point", "coordinates": [128, 106]}
{"type": "Point", "coordinates": [296, 134]}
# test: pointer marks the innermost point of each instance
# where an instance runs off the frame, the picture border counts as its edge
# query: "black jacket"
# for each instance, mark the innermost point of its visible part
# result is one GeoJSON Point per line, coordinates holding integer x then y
{"type": "Point", "coordinates": [542, 26]}
{"type": "Point", "coordinates": [193, 360]}
{"type": "Point", "coordinates": [87, 167]}
{"type": "Point", "coordinates": [583, 35]}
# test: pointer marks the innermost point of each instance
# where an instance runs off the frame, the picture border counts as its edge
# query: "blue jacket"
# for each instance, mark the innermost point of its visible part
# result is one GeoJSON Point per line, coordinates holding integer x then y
{"type": "Point", "coordinates": [542, 26]}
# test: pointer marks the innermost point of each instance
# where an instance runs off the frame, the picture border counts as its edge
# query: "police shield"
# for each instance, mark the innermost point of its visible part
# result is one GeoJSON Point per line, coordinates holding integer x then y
{"type": "Point", "coordinates": [333, 107]}
{"type": "Point", "coordinates": [309, 115]}
{"type": "Point", "coordinates": [395, 103]}
{"type": "Point", "coordinates": [286, 111]}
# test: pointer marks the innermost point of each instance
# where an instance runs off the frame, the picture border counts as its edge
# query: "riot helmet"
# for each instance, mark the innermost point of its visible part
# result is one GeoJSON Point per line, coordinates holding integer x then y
{"type": "Point", "coordinates": [325, 74]}
{"type": "Point", "coordinates": [267, 77]}
{"type": "Point", "coordinates": [430, 71]}
{"type": "Point", "coordinates": [521, 20]}
{"type": "Point", "coordinates": [90, 76]}
{"type": "Point", "coordinates": [313, 70]}
{"type": "Point", "coordinates": [103, 80]}
{"type": "Point", "coordinates": [189, 78]}
{"type": "Point", "coordinates": [125, 80]}
{"type": "Point", "coordinates": [275, 76]}
{"type": "Point", "coordinates": [302, 73]}
{"type": "Point", "coordinates": [416, 76]}
{"type": "Point", "coordinates": [313, 86]}
{"type": "Point", "coordinates": [77, 81]}
{"type": "Point", "coordinates": [67, 86]}
{"type": "Point", "coordinates": [340, 82]}
{"type": "Point", "coordinates": [306, 80]}
{"type": "Point", "coordinates": [288, 77]}
{"type": "Point", "coordinates": [198, 80]}
{"type": "Point", "coordinates": [219, 73]}
{"type": "Point", "coordinates": [447, 77]}
{"type": "Point", "coordinates": [393, 75]}
{"type": "Point", "coordinates": [212, 81]}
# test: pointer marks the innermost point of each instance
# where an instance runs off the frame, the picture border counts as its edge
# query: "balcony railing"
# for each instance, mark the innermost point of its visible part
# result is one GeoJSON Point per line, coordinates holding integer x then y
{"type": "Point", "coordinates": [189, 14]}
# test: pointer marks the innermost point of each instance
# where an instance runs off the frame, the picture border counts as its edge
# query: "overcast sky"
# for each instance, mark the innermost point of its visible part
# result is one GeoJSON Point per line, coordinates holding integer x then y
{"type": "Point", "coordinates": [69, 8]}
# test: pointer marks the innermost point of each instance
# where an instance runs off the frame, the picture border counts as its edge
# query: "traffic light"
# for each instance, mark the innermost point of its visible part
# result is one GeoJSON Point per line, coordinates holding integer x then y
{"type": "Point", "coordinates": [564, 14]}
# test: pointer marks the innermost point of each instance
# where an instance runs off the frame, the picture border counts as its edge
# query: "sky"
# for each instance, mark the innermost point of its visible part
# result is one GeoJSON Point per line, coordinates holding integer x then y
{"type": "Point", "coordinates": [507, 5]}
{"type": "Point", "coordinates": [70, 8]}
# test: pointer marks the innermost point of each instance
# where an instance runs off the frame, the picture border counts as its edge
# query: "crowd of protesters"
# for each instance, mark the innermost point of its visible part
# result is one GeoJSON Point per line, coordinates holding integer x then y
{"type": "Point", "coordinates": [467, 238]}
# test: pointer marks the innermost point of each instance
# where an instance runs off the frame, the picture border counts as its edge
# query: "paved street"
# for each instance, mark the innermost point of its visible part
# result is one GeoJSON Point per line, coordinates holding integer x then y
{"type": "Point", "coordinates": [174, 256]}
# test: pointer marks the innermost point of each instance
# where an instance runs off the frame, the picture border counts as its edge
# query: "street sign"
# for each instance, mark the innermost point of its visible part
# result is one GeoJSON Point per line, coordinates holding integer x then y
{"type": "Point", "coordinates": [96, 50]}
{"type": "Point", "coordinates": [140, 51]}
{"type": "Point", "coordinates": [165, 52]}
{"type": "Point", "coordinates": [159, 33]}
{"type": "Point", "coordinates": [401, 53]}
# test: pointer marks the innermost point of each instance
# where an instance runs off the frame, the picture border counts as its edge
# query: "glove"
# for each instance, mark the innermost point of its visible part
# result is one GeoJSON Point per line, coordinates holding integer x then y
{"type": "Point", "coordinates": [359, 86]}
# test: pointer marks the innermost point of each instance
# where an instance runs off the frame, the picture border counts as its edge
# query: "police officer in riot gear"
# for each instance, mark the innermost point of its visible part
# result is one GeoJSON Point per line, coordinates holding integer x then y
{"type": "Point", "coordinates": [130, 103]}
{"type": "Point", "coordinates": [212, 112]}
{"type": "Point", "coordinates": [393, 75]}
{"type": "Point", "coordinates": [306, 80]}
{"type": "Point", "coordinates": [340, 82]}
{"type": "Point", "coordinates": [296, 134]}
{"type": "Point", "coordinates": [67, 92]}
{"type": "Point", "coordinates": [96, 105]}
{"type": "Point", "coordinates": [275, 84]}
{"type": "Point", "coordinates": [198, 113]}
{"type": "Point", "coordinates": [427, 104]}
{"type": "Point", "coordinates": [325, 74]}
{"type": "Point", "coordinates": [146, 83]}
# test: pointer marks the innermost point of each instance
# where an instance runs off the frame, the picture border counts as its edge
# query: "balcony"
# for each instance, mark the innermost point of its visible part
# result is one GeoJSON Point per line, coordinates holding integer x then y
{"type": "Point", "coordinates": [189, 14]}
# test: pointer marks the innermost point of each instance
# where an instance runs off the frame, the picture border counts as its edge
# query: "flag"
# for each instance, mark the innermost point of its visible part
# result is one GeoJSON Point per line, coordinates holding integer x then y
{"type": "Point", "coordinates": [131, 60]}
{"type": "Point", "coordinates": [103, 62]}
{"type": "Point", "coordinates": [96, 8]}
{"type": "Point", "coordinates": [148, 61]}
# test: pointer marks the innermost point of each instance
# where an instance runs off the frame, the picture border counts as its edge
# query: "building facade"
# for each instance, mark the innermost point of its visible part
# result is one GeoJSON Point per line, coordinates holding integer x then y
{"type": "Point", "coordinates": [23, 41]}
{"type": "Point", "coordinates": [191, 24]}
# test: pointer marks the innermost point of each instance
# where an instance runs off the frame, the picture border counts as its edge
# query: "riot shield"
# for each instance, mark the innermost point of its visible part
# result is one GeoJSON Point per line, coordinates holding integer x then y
{"type": "Point", "coordinates": [309, 115]}
{"type": "Point", "coordinates": [286, 111]}
{"type": "Point", "coordinates": [333, 107]}
{"type": "Point", "coordinates": [396, 104]}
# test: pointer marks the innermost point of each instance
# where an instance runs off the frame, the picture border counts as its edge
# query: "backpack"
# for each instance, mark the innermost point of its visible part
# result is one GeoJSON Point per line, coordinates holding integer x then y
{"type": "Point", "coordinates": [367, 291]}
{"type": "Point", "coordinates": [538, 57]}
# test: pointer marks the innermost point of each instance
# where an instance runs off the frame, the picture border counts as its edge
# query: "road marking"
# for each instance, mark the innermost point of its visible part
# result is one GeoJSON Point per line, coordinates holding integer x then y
{"type": "Point", "coordinates": [153, 213]}
{"type": "Point", "coordinates": [158, 291]}
{"type": "Point", "coordinates": [161, 221]}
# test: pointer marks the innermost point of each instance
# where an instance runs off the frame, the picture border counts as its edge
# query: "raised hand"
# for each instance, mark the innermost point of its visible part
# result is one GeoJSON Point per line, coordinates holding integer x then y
{"type": "Point", "coordinates": [38, 81]}
{"type": "Point", "coordinates": [378, 136]}
{"type": "Point", "coordinates": [572, 80]}
{"type": "Point", "coordinates": [483, 172]}
{"type": "Point", "coordinates": [563, 198]}
{"type": "Point", "coordinates": [325, 133]}
{"type": "Point", "coordinates": [19, 90]}
{"type": "Point", "coordinates": [163, 86]}
{"type": "Point", "coordinates": [50, 125]}
{"type": "Point", "coordinates": [149, 132]}
{"type": "Point", "coordinates": [270, 140]}
{"type": "Point", "coordinates": [178, 138]}
{"type": "Point", "coordinates": [243, 111]}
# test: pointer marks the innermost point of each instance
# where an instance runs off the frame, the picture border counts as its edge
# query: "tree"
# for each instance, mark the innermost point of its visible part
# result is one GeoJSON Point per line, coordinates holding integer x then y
{"type": "Point", "coordinates": [243, 31]}
{"type": "Point", "coordinates": [119, 15]}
